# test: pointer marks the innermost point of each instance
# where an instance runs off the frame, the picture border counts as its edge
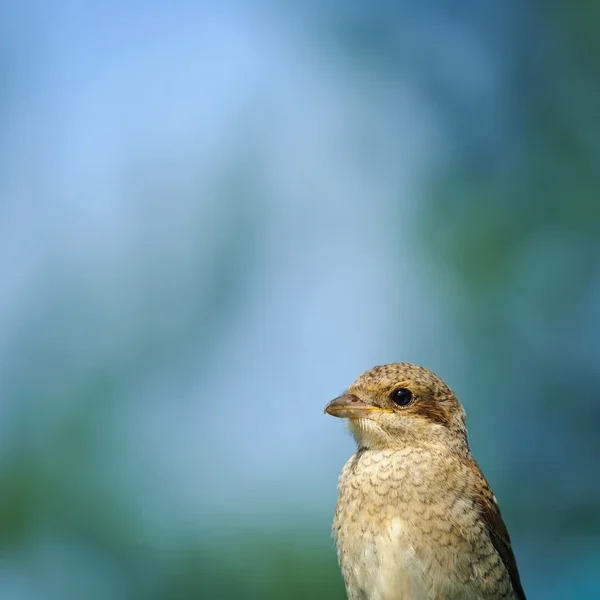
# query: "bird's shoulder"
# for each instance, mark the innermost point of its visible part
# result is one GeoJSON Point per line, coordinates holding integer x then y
{"type": "Point", "coordinates": [486, 504]}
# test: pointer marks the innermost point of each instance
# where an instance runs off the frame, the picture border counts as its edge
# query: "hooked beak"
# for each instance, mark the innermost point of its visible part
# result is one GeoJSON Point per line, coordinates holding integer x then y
{"type": "Point", "coordinates": [349, 406]}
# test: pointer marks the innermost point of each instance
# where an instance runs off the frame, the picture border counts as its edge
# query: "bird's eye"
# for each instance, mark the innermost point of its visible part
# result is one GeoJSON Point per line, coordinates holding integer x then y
{"type": "Point", "coordinates": [402, 397]}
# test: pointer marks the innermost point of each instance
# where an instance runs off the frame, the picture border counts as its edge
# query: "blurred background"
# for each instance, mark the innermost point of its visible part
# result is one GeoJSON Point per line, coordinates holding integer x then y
{"type": "Point", "coordinates": [215, 215]}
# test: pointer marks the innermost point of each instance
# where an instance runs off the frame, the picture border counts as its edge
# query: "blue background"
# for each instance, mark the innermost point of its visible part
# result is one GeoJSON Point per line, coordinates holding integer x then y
{"type": "Point", "coordinates": [215, 215]}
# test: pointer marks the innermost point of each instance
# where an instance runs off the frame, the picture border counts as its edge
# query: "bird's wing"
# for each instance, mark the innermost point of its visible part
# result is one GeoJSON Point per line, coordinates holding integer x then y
{"type": "Point", "coordinates": [486, 502]}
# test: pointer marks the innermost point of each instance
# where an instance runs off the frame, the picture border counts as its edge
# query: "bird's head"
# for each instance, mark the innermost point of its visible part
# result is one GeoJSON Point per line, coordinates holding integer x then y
{"type": "Point", "coordinates": [402, 404]}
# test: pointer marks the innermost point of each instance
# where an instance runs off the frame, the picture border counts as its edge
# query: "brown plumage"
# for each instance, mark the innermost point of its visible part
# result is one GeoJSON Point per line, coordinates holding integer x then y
{"type": "Point", "coordinates": [415, 517]}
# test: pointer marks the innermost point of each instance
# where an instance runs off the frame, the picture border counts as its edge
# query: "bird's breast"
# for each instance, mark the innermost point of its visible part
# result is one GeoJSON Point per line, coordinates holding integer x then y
{"type": "Point", "coordinates": [394, 537]}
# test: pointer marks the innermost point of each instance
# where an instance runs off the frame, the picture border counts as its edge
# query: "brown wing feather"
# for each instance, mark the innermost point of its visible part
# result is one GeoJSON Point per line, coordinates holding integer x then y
{"type": "Point", "coordinates": [490, 515]}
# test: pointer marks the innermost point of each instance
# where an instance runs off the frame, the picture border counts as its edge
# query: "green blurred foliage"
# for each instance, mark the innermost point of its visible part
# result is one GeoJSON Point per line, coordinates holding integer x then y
{"type": "Point", "coordinates": [519, 234]}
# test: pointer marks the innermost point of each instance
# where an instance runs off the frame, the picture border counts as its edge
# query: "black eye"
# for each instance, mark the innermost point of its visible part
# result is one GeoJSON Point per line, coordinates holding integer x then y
{"type": "Point", "coordinates": [402, 397]}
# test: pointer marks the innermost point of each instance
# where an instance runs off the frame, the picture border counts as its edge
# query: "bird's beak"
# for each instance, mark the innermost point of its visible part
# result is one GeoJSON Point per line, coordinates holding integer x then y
{"type": "Point", "coordinates": [349, 406]}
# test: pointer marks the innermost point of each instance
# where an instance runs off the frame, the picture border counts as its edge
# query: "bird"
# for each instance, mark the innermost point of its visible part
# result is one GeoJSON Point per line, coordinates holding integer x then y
{"type": "Point", "coordinates": [415, 517]}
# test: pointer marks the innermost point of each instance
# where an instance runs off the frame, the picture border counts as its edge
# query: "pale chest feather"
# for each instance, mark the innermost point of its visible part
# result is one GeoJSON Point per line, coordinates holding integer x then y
{"type": "Point", "coordinates": [404, 533]}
